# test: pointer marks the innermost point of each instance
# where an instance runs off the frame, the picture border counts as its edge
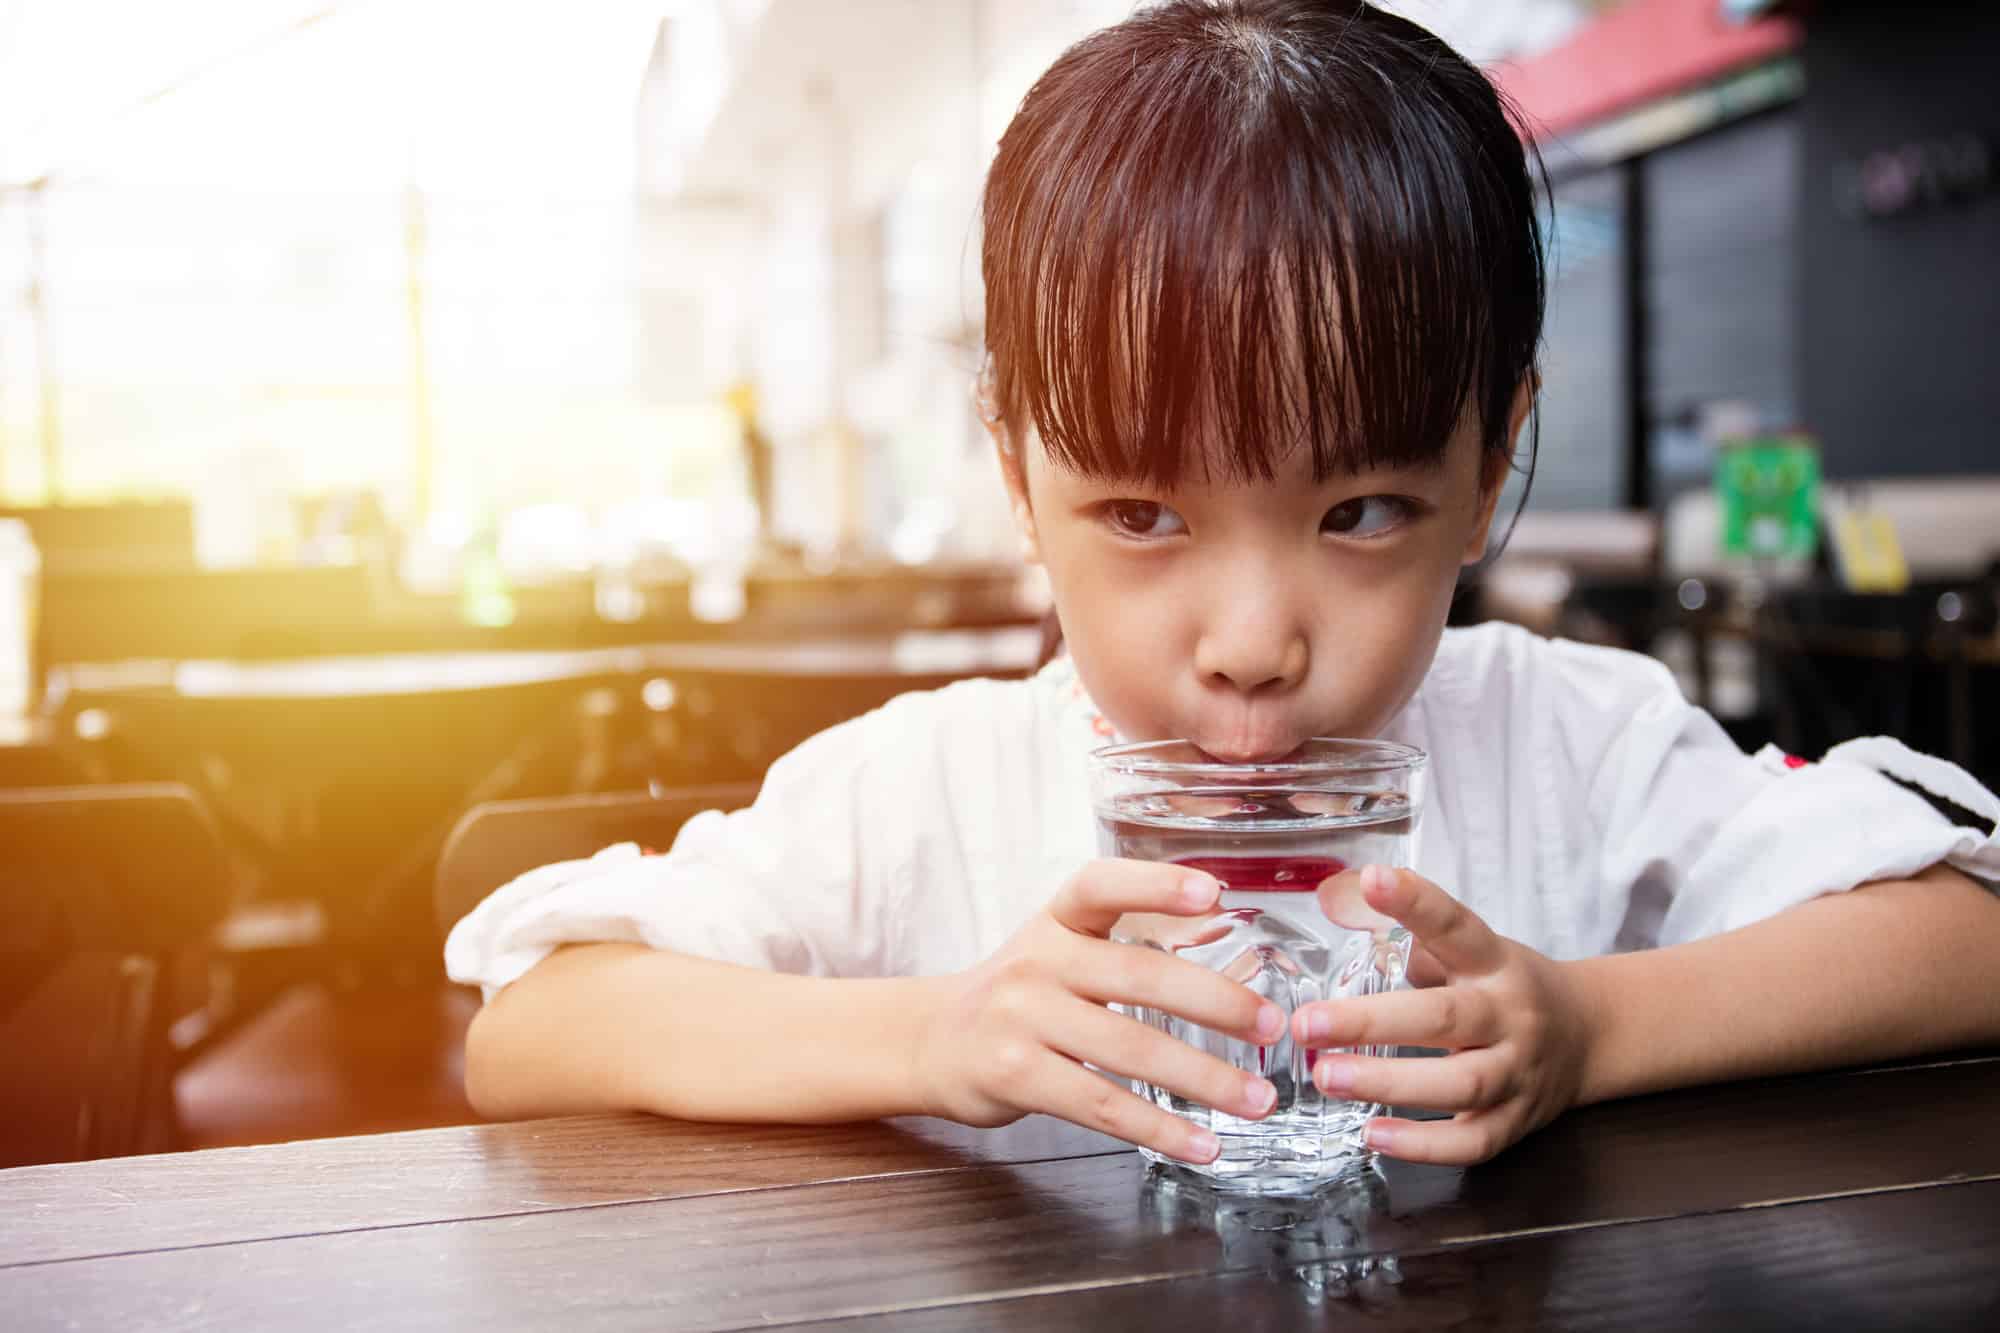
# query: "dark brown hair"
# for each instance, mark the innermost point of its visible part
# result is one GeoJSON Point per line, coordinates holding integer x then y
{"type": "Point", "coordinates": [1223, 229]}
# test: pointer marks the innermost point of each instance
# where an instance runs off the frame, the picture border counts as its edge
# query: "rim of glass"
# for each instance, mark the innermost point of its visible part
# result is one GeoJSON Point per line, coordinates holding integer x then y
{"type": "Point", "coordinates": [1355, 755]}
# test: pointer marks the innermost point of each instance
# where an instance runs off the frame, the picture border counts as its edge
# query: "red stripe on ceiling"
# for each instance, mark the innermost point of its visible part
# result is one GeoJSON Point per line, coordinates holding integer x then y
{"type": "Point", "coordinates": [1644, 50]}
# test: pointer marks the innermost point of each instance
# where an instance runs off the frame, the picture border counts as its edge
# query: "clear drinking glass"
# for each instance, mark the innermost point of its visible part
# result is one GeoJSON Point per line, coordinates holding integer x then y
{"type": "Point", "coordinates": [1272, 833]}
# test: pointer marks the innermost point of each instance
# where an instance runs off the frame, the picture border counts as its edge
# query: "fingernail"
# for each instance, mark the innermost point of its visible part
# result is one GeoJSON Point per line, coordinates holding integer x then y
{"type": "Point", "coordinates": [1199, 890]}
{"type": "Point", "coordinates": [1380, 1137]}
{"type": "Point", "coordinates": [1270, 1024]}
{"type": "Point", "coordinates": [1314, 1023]}
{"type": "Point", "coordinates": [1372, 879]}
{"type": "Point", "coordinates": [1259, 1095]}
{"type": "Point", "coordinates": [1334, 1075]}
{"type": "Point", "coordinates": [1203, 1146]}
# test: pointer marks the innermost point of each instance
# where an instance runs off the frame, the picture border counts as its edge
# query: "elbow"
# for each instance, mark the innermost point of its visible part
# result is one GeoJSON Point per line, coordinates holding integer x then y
{"type": "Point", "coordinates": [540, 1046]}
{"type": "Point", "coordinates": [485, 1068]}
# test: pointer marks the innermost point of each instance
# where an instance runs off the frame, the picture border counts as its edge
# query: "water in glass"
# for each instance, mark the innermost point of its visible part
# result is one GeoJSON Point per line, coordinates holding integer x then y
{"type": "Point", "coordinates": [1271, 848]}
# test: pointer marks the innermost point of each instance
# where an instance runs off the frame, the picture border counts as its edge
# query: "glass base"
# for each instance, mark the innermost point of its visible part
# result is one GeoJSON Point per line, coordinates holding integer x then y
{"type": "Point", "coordinates": [1274, 1164]}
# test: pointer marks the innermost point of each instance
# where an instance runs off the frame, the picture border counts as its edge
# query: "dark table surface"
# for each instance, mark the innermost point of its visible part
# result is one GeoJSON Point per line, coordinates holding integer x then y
{"type": "Point", "coordinates": [1859, 1199]}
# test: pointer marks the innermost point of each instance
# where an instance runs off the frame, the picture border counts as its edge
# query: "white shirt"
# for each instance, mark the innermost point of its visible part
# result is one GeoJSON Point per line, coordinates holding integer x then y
{"type": "Point", "coordinates": [1575, 800]}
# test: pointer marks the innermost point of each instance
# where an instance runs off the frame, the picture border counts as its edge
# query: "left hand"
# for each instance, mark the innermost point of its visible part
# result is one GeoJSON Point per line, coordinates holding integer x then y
{"type": "Point", "coordinates": [1516, 1034]}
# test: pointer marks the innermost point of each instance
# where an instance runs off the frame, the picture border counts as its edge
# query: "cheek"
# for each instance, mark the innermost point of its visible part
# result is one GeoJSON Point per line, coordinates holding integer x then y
{"type": "Point", "coordinates": [1117, 635]}
{"type": "Point", "coordinates": [1122, 632]}
{"type": "Point", "coordinates": [1379, 639]}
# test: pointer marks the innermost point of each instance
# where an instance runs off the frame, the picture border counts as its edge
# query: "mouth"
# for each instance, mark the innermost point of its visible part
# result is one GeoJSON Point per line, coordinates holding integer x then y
{"type": "Point", "coordinates": [1274, 754]}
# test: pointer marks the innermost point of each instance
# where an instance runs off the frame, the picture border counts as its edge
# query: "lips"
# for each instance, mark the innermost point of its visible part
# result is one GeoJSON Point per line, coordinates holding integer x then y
{"type": "Point", "coordinates": [1270, 754]}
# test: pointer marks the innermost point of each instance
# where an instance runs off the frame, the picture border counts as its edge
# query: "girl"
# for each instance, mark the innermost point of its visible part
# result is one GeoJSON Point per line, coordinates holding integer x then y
{"type": "Point", "coordinates": [1264, 291]}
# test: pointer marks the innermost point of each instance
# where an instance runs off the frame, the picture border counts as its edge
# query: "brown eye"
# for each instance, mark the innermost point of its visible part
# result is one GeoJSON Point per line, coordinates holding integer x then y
{"type": "Point", "coordinates": [1142, 518]}
{"type": "Point", "coordinates": [1367, 516]}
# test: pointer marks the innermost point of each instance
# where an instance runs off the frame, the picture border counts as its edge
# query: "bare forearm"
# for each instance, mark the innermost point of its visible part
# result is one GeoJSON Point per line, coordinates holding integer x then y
{"type": "Point", "coordinates": [620, 1027]}
{"type": "Point", "coordinates": [1891, 969]}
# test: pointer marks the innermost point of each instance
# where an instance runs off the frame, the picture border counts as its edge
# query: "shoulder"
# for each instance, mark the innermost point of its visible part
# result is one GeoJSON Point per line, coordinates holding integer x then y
{"type": "Point", "coordinates": [1498, 652]}
{"type": "Point", "coordinates": [955, 791]}
{"type": "Point", "coordinates": [1557, 717]}
{"type": "Point", "coordinates": [967, 724]}
{"type": "Point", "coordinates": [1574, 684]}
{"type": "Point", "coordinates": [963, 711]}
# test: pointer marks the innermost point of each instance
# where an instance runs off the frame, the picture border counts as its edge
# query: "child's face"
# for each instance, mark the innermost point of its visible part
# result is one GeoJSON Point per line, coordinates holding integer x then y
{"type": "Point", "coordinates": [1248, 617]}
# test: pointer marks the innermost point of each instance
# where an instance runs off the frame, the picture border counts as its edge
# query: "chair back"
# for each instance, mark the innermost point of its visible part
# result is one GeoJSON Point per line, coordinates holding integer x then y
{"type": "Point", "coordinates": [100, 889]}
{"type": "Point", "coordinates": [133, 868]}
{"type": "Point", "coordinates": [494, 842]}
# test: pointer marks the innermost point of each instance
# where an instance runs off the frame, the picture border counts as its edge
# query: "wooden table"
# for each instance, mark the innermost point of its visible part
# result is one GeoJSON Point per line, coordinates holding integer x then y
{"type": "Point", "coordinates": [1856, 1200]}
{"type": "Point", "coordinates": [33, 753]}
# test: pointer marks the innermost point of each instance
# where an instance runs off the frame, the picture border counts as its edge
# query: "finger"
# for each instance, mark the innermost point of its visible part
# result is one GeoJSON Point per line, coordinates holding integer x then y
{"type": "Point", "coordinates": [1075, 1094]}
{"type": "Point", "coordinates": [1424, 968]}
{"type": "Point", "coordinates": [1462, 943]}
{"type": "Point", "coordinates": [1128, 1047]}
{"type": "Point", "coordinates": [1468, 1081]}
{"type": "Point", "coordinates": [1149, 979]}
{"type": "Point", "coordinates": [1455, 1017]}
{"type": "Point", "coordinates": [1096, 896]}
{"type": "Point", "coordinates": [1471, 1136]}
{"type": "Point", "coordinates": [1342, 902]}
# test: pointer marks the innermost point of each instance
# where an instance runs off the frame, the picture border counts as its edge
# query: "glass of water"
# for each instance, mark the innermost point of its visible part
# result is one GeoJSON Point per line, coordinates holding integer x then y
{"type": "Point", "coordinates": [1272, 833]}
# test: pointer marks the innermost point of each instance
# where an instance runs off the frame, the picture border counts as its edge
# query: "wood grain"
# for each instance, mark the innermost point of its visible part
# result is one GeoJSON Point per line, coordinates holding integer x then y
{"type": "Point", "coordinates": [967, 1233]}
{"type": "Point", "coordinates": [79, 1209]}
{"type": "Point", "coordinates": [1630, 1159]}
{"type": "Point", "coordinates": [608, 1221]}
{"type": "Point", "coordinates": [653, 1265]}
{"type": "Point", "coordinates": [1920, 1260]}
{"type": "Point", "coordinates": [1756, 1142]}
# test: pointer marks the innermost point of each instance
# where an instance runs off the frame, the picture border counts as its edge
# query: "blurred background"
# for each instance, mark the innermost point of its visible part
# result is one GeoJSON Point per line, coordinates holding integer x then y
{"type": "Point", "coordinates": [409, 405]}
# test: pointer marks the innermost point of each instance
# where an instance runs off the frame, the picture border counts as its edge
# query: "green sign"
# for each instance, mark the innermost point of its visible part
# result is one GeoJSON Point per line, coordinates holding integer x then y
{"type": "Point", "coordinates": [1769, 489]}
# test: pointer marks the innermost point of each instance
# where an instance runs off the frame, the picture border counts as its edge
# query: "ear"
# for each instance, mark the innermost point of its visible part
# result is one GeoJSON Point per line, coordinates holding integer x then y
{"type": "Point", "coordinates": [1013, 470]}
{"type": "Point", "coordinates": [1494, 466]}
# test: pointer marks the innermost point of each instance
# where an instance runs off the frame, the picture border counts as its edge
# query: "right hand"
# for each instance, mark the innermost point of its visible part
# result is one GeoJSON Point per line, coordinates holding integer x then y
{"type": "Point", "coordinates": [1011, 1036]}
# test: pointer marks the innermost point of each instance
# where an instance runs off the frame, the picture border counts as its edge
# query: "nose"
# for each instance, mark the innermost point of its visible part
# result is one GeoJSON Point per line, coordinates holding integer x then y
{"type": "Point", "coordinates": [1254, 642]}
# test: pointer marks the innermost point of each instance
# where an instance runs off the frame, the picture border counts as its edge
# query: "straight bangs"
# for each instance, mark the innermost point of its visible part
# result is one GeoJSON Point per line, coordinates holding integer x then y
{"type": "Point", "coordinates": [1218, 233]}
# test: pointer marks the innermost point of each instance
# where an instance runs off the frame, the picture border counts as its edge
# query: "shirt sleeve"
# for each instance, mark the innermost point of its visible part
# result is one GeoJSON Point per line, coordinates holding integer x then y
{"type": "Point", "coordinates": [1698, 838]}
{"type": "Point", "coordinates": [801, 881]}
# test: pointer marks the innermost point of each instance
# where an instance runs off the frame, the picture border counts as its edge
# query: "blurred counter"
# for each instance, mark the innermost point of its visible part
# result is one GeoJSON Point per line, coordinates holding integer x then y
{"type": "Point", "coordinates": [336, 777]}
{"type": "Point", "coordinates": [911, 653]}
{"type": "Point", "coordinates": [111, 614]}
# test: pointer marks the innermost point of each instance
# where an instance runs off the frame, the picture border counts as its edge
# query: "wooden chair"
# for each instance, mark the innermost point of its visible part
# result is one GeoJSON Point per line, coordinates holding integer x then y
{"type": "Point", "coordinates": [101, 890]}
{"type": "Point", "coordinates": [494, 842]}
{"type": "Point", "coordinates": [1844, 664]}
